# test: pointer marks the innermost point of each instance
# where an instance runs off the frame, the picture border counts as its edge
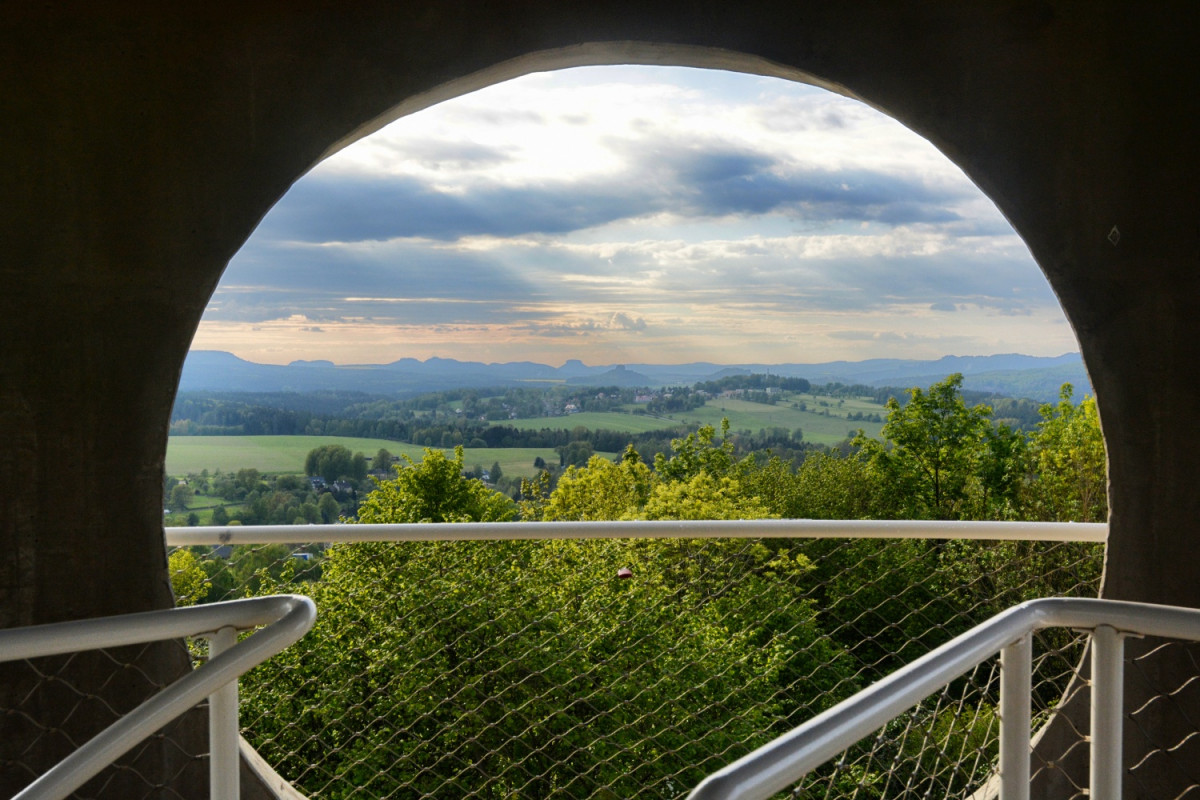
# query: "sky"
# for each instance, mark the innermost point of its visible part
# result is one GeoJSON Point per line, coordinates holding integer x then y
{"type": "Point", "coordinates": [635, 214]}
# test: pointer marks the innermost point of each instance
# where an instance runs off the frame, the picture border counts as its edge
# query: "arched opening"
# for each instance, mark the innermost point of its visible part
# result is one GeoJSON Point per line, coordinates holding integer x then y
{"type": "Point", "coordinates": [1065, 117]}
{"type": "Point", "coordinates": [896, 211]}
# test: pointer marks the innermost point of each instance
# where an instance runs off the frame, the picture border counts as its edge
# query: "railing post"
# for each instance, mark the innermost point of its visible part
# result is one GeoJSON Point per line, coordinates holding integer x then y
{"type": "Point", "coordinates": [223, 757]}
{"type": "Point", "coordinates": [1016, 681]}
{"type": "Point", "coordinates": [1108, 674]}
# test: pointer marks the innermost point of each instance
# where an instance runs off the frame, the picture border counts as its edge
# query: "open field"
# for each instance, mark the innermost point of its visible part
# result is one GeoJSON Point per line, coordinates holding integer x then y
{"type": "Point", "coordinates": [595, 420]}
{"type": "Point", "coordinates": [817, 428]}
{"type": "Point", "coordinates": [285, 454]}
{"type": "Point", "coordinates": [742, 414]}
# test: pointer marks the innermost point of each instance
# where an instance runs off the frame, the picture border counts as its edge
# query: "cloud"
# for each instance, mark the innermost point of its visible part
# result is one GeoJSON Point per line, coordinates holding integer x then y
{"type": "Point", "coordinates": [868, 336]}
{"type": "Point", "coordinates": [355, 208]}
{"type": "Point", "coordinates": [611, 206]}
{"type": "Point", "coordinates": [625, 322]}
{"type": "Point", "coordinates": [443, 155]}
{"type": "Point", "coordinates": [692, 179]}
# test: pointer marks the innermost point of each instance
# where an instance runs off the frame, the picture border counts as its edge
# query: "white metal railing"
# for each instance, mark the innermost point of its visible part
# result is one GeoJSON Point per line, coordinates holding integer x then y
{"type": "Point", "coordinates": [742, 529]}
{"type": "Point", "coordinates": [788, 758]}
{"type": "Point", "coordinates": [657, 529]}
{"type": "Point", "coordinates": [282, 620]}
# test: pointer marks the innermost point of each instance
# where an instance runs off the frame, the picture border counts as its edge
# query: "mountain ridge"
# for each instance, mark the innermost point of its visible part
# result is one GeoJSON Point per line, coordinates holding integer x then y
{"type": "Point", "coordinates": [1036, 377]}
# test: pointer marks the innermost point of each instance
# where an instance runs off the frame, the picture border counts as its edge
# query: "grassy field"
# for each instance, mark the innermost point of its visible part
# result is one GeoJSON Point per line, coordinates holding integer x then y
{"type": "Point", "coordinates": [817, 428]}
{"type": "Point", "coordinates": [742, 414]}
{"type": "Point", "coordinates": [595, 420]}
{"type": "Point", "coordinates": [285, 454]}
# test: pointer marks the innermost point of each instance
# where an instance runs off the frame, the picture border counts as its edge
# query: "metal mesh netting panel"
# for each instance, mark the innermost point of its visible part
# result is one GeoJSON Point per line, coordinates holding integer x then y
{"type": "Point", "coordinates": [1162, 688]}
{"type": "Point", "coordinates": [55, 704]}
{"type": "Point", "coordinates": [534, 669]}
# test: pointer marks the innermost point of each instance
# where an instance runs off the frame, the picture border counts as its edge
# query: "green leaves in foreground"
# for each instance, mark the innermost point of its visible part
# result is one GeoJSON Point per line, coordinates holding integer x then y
{"type": "Point", "coordinates": [527, 668]}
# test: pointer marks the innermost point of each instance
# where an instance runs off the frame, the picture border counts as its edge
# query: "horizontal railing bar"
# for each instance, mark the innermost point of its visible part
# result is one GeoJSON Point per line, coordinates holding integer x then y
{"type": "Point", "coordinates": [76, 636]}
{"type": "Point", "coordinates": [642, 529]}
{"type": "Point", "coordinates": [287, 618]}
{"type": "Point", "coordinates": [788, 758]}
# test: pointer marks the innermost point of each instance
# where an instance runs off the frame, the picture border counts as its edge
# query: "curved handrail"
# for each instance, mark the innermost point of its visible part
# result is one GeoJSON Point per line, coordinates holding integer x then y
{"type": "Point", "coordinates": [286, 618]}
{"type": "Point", "coordinates": [788, 758]}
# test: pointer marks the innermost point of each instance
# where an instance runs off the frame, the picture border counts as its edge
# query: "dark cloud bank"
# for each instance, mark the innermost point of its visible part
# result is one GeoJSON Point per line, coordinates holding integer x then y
{"type": "Point", "coordinates": [692, 181]}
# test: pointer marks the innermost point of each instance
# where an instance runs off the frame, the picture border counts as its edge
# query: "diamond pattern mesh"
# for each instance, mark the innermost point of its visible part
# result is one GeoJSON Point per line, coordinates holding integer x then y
{"type": "Point", "coordinates": [533, 669]}
{"type": "Point", "coordinates": [626, 668]}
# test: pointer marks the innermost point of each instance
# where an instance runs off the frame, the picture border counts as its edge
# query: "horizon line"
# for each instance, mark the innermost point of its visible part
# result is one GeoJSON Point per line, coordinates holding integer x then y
{"type": "Point", "coordinates": [324, 361]}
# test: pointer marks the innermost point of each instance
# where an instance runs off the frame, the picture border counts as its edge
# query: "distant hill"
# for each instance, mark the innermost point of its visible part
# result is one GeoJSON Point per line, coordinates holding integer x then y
{"type": "Point", "coordinates": [1034, 377]}
{"type": "Point", "coordinates": [617, 376]}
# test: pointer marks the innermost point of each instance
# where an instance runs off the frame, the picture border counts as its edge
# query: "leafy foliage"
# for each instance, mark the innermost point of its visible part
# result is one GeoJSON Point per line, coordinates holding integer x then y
{"type": "Point", "coordinates": [937, 451]}
{"type": "Point", "coordinates": [333, 461]}
{"type": "Point", "coordinates": [1068, 463]}
{"type": "Point", "coordinates": [620, 668]}
{"type": "Point", "coordinates": [434, 491]}
{"type": "Point", "coordinates": [189, 582]}
{"type": "Point", "coordinates": [551, 660]}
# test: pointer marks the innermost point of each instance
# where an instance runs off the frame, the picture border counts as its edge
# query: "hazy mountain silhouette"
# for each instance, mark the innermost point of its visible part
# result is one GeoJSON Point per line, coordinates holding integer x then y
{"type": "Point", "coordinates": [1035, 377]}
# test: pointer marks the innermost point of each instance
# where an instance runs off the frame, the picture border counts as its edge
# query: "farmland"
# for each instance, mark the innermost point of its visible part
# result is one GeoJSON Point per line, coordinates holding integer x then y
{"type": "Point", "coordinates": [598, 420]}
{"type": "Point", "coordinates": [823, 420]}
{"type": "Point", "coordinates": [285, 454]}
{"type": "Point", "coordinates": [826, 424]}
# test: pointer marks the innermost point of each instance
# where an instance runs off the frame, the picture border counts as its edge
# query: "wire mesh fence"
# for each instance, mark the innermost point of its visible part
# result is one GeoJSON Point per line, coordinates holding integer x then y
{"type": "Point", "coordinates": [622, 668]}
{"type": "Point", "coordinates": [63, 701]}
{"type": "Point", "coordinates": [116, 706]}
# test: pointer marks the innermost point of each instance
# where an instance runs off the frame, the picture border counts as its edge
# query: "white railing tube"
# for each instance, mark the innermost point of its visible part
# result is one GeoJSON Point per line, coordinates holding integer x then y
{"type": "Point", "coordinates": [643, 529]}
{"type": "Point", "coordinates": [1108, 675]}
{"type": "Point", "coordinates": [788, 758]}
{"type": "Point", "coordinates": [1016, 689]}
{"type": "Point", "coordinates": [59, 638]}
{"type": "Point", "coordinates": [785, 760]}
{"type": "Point", "coordinates": [223, 731]}
{"type": "Point", "coordinates": [286, 617]}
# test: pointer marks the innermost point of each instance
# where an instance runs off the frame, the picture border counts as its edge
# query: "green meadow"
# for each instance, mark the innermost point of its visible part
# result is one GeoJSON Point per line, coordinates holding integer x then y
{"type": "Point", "coordinates": [285, 454]}
{"type": "Point", "coordinates": [595, 420]}
{"type": "Point", "coordinates": [817, 427]}
{"type": "Point", "coordinates": [824, 421]}
{"type": "Point", "coordinates": [822, 424]}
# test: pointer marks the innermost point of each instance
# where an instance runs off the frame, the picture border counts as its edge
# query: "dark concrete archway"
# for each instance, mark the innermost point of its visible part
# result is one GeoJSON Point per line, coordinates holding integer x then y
{"type": "Point", "coordinates": [141, 145]}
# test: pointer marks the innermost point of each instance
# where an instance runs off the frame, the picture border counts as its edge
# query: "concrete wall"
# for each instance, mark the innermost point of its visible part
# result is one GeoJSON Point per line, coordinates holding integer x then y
{"type": "Point", "coordinates": [142, 143]}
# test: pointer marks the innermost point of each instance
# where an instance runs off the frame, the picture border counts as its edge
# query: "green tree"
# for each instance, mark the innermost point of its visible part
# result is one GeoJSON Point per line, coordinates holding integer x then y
{"type": "Point", "coordinates": [1002, 472]}
{"type": "Point", "coordinates": [702, 497]}
{"type": "Point", "coordinates": [938, 447]}
{"type": "Point", "coordinates": [330, 461]}
{"type": "Point", "coordinates": [549, 628]}
{"type": "Point", "coordinates": [310, 512]}
{"type": "Point", "coordinates": [328, 508]}
{"type": "Point", "coordinates": [434, 491]}
{"type": "Point", "coordinates": [601, 490]}
{"type": "Point", "coordinates": [382, 462]}
{"type": "Point", "coordinates": [696, 453]}
{"type": "Point", "coordinates": [1067, 460]}
{"type": "Point", "coordinates": [189, 581]}
{"type": "Point", "coordinates": [248, 480]}
{"type": "Point", "coordinates": [833, 486]}
{"type": "Point", "coordinates": [220, 516]}
{"type": "Point", "coordinates": [358, 467]}
{"type": "Point", "coordinates": [181, 496]}
{"type": "Point", "coordinates": [574, 454]}
{"type": "Point", "coordinates": [424, 649]}
{"type": "Point", "coordinates": [535, 493]}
